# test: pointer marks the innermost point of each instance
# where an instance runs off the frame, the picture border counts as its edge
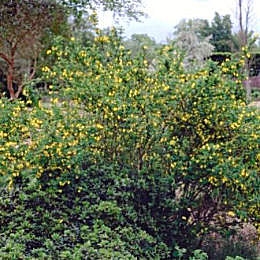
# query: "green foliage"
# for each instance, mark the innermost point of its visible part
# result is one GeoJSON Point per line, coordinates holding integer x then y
{"type": "Point", "coordinates": [130, 9]}
{"type": "Point", "coordinates": [139, 44]}
{"type": "Point", "coordinates": [234, 258]}
{"type": "Point", "coordinates": [198, 255]}
{"type": "Point", "coordinates": [124, 161]}
{"type": "Point", "coordinates": [90, 217]}
{"type": "Point", "coordinates": [221, 31]}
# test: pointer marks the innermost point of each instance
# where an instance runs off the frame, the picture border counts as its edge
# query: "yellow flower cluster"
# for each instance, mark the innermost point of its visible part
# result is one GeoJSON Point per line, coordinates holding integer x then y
{"type": "Point", "coordinates": [192, 125]}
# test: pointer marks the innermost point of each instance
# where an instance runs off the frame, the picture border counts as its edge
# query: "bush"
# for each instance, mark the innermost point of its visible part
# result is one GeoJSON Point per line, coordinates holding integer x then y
{"type": "Point", "coordinates": [91, 217]}
{"type": "Point", "coordinates": [125, 161]}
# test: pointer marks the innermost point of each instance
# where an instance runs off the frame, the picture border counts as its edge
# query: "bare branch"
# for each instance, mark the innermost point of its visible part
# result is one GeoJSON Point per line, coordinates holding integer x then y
{"type": "Point", "coordinates": [5, 58]}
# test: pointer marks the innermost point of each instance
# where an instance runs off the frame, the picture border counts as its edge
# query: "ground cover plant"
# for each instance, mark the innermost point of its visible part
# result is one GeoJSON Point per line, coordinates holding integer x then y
{"type": "Point", "coordinates": [127, 161]}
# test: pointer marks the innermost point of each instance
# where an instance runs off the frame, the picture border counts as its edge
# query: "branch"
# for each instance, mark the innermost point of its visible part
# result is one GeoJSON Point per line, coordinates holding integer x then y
{"type": "Point", "coordinates": [240, 16]}
{"type": "Point", "coordinates": [248, 13]}
{"type": "Point", "coordinates": [5, 58]}
{"type": "Point", "coordinates": [32, 73]}
{"type": "Point", "coordinates": [33, 69]}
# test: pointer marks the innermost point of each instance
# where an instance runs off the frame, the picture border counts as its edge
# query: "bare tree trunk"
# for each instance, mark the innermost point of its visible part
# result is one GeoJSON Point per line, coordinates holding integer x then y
{"type": "Point", "coordinates": [10, 74]}
{"type": "Point", "coordinates": [242, 32]}
{"type": "Point", "coordinates": [240, 16]}
{"type": "Point", "coordinates": [245, 10]}
{"type": "Point", "coordinates": [32, 72]}
{"type": "Point", "coordinates": [10, 70]}
{"type": "Point", "coordinates": [248, 90]}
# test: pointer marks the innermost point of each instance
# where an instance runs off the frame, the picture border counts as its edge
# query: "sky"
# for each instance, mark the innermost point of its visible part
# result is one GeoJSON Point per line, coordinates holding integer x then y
{"type": "Point", "coordinates": [164, 15]}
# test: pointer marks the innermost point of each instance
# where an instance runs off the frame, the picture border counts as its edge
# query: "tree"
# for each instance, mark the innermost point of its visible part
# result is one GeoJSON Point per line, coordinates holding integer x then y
{"type": "Point", "coordinates": [244, 17]}
{"type": "Point", "coordinates": [190, 37]}
{"type": "Point", "coordinates": [221, 31]}
{"type": "Point", "coordinates": [128, 8]}
{"type": "Point", "coordinates": [245, 34]}
{"type": "Point", "coordinates": [245, 38]}
{"type": "Point", "coordinates": [23, 25]}
{"type": "Point", "coordinates": [138, 43]}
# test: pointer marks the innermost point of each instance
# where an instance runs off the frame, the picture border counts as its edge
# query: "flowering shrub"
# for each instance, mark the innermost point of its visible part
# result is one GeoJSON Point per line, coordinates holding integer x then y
{"type": "Point", "coordinates": [162, 156]}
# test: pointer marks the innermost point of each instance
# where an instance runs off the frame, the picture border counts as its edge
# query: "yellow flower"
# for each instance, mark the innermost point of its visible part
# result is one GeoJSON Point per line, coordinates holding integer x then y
{"type": "Point", "coordinates": [82, 54]}
{"type": "Point", "coordinates": [231, 213]}
{"type": "Point", "coordinates": [173, 165]}
{"type": "Point", "coordinates": [99, 126]}
{"type": "Point", "coordinates": [172, 142]}
{"type": "Point", "coordinates": [244, 173]}
{"type": "Point", "coordinates": [45, 69]}
{"type": "Point", "coordinates": [224, 179]}
{"type": "Point", "coordinates": [102, 39]}
{"type": "Point", "coordinates": [212, 180]}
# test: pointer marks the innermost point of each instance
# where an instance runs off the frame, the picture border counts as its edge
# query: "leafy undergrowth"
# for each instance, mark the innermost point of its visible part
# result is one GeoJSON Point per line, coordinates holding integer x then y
{"type": "Point", "coordinates": [107, 213]}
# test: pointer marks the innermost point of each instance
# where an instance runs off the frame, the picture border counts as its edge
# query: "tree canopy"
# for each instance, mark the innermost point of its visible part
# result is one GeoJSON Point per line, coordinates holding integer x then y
{"type": "Point", "coordinates": [221, 31]}
{"type": "Point", "coordinates": [190, 38]}
{"type": "Point", "coordinates": [26, 26]}
{"type": "Point", "coordinates": [23, 24]}
{"type": "Point", "coordinates": [129, 8]}
{"type": "Point", "coordinates": [139, 43]}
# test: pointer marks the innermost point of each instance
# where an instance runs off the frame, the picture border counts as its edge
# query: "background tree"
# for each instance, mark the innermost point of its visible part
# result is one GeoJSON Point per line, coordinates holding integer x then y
{"type": "Point", "coordinates": [221, 31]}
{"type": "Point", "coordinates": [129, 8]}
{"type": "Point", "coordinates": [244, 35]}
{"type": "Point", "coordinates": [142, 42]}
{"type": "Point", "coordinates": [190, 37]}
{"type": "Point", "coordinates": [23, 26]}
{"type": "Point", "coordinates": [245, 8]}
{"type": "Point", "coordinates": [83, 27]}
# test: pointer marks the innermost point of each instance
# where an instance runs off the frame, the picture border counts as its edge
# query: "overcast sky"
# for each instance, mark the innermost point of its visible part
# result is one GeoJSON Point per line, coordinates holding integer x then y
{"type": "Point", "coordinates": [164, 15]}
